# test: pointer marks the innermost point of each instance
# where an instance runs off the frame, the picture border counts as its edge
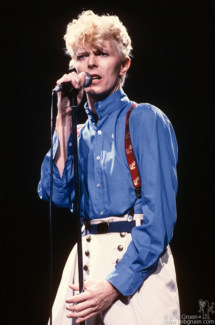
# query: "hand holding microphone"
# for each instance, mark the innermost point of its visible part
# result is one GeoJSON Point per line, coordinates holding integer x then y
{"type": "Point", "coordinates": [71, 84]}
{"type": "Point", "coordinates": [73, 81]}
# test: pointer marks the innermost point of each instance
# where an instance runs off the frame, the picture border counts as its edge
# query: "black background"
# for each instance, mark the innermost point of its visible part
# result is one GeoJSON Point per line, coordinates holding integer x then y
{"type": "Point", "coordinates": [172, 68]}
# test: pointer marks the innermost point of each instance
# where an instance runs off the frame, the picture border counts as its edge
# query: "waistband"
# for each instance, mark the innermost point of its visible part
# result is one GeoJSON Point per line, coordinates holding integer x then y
{"type": "Point", "coordinates": [110, 224]}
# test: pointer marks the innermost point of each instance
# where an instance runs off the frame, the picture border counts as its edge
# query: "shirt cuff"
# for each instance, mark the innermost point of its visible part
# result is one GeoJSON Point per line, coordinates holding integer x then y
{"type": "Point", "coordinates": [127, 281]}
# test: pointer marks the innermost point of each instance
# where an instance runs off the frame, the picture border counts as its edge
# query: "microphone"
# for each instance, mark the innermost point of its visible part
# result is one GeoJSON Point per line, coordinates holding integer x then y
{"type": "Point", "coordinates": [67, 87]}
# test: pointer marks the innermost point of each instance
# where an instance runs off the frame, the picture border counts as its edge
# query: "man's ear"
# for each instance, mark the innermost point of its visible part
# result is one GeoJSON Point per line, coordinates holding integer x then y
{"type": "Point", "coordinates": [125, 66]}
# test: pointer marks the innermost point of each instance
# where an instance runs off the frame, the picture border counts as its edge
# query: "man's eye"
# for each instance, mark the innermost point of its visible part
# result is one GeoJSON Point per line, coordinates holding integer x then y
{"type": "Point", "coordinates": [81, 56]}
{"type": "Point", "coordinates": [103, 54]}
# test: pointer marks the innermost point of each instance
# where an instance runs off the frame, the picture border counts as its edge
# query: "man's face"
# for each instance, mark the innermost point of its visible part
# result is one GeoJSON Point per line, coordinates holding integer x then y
{"type": "Point", "coordinates": [104, 66]}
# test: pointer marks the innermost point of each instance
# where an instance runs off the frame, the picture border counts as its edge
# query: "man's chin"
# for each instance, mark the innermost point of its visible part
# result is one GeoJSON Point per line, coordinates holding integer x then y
{"type": "Point", "coordinates": [98, 96]}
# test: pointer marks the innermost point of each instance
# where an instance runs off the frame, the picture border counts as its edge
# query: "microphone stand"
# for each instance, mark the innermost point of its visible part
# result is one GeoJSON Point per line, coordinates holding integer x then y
{"type": "Point", "coordinates": [73, 104]}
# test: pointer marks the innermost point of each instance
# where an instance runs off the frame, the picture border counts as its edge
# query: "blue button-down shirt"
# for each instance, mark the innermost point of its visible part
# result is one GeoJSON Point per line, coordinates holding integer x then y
{"type": "Point", "coordinates": [106, 184]}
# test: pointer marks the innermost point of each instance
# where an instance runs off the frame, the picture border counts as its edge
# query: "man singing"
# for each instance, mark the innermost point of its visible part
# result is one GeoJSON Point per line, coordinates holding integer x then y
{"type": "Point", "coordinates": [129, 273]}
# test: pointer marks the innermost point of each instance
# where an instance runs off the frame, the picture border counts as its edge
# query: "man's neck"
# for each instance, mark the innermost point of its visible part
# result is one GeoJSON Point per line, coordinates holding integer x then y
{"type": "Point", "coordinates": [91, 102]}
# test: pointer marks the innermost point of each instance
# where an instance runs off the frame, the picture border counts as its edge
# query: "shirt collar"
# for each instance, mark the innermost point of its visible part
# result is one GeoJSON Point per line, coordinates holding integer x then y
{"type": "Point", "coordinates": [108, 105]}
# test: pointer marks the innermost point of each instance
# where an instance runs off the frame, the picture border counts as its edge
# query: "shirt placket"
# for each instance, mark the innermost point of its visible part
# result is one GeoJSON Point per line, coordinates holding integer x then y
{"type": "Point", "coordinates": [98, 163]}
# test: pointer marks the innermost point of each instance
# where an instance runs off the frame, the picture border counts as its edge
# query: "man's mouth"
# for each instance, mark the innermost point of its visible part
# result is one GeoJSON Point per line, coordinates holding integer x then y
{"type": "Point", "coordinates": [95, 77]}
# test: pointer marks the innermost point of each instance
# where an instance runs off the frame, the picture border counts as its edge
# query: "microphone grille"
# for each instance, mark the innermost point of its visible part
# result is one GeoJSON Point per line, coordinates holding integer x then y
{"type": "Point", "coordinates": [88, 80]}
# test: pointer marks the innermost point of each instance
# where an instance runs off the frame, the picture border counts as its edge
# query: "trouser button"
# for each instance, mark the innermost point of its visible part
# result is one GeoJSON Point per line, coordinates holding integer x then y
{"type": "Point", "coordinates": [120, 248]}
{"type": "Point", "coordinates": [89, 238]}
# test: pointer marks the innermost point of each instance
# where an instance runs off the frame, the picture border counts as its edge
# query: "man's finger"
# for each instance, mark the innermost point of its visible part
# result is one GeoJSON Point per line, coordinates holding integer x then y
{"type": "Point", "coordinates": [74, 287]}
{"type": "Point", "coordinates": [78, 298]}
{"type": "Point", "coordinates": [82, 319]}
{"type": "Point", "coordinates": [77, 80]}
{"type": "Point", "coordinates": [83, 314]}
{"type": "Point", "coordinates": [85, 304]}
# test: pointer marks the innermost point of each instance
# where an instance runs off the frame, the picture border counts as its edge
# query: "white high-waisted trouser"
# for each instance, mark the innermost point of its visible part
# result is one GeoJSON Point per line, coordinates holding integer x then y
{"type": "Point", "coordinates": [154, 303]}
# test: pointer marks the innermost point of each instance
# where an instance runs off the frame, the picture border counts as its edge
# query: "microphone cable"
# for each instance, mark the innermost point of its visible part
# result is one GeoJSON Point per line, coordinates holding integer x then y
{"type": "Point", "coordinates": [51, 211]}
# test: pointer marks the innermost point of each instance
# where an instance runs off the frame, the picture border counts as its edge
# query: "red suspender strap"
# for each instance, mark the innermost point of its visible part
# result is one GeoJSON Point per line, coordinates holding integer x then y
{"type": "Point", "coordinates": [130, 156]}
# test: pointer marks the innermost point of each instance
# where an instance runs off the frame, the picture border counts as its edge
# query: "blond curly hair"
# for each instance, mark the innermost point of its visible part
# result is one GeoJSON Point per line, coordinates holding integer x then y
{"type": "Point", "coordinates": [91, 30]}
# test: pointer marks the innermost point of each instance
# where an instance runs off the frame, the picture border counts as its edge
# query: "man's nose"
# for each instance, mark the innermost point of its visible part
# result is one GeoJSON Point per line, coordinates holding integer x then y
{"type": "Point", "coordinates": [92, 61]}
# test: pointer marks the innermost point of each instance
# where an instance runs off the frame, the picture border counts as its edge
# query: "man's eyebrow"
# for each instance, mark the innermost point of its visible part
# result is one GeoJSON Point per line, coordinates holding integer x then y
{"type": "Point", "coordinates": [82, 52]}
{"type": "Point", "coordinates": [100, 50]}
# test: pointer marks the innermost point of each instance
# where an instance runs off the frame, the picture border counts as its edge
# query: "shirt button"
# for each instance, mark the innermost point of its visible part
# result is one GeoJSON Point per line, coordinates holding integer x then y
{"type": "Point", "coordinates": [98, 185]}
{"type": "Point", "coordinates": [120, 248]}
{"type": "Point", "coordinates": [122, 234]}
{"type": "Point", "coordinates": [87, 253]}
{"type": "Point", "coordinates": [117, 260]}
{"type": "Point", "coordinates": [86, 268]}
{"type": "Point", "coordinates": [101, 213]}
{"type": "Point", "coordinates": [98, 157]}
{"type": "Point", "coordinates": [99, 132]}
{"type": "Point", "coordinates": [70, 144]}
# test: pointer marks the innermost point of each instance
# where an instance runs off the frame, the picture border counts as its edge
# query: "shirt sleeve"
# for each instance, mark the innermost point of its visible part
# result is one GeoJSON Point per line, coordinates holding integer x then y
{"type": "Point", "coordinates": [155, 150]}
{"type": "Point", "coordinates": [63, 193]}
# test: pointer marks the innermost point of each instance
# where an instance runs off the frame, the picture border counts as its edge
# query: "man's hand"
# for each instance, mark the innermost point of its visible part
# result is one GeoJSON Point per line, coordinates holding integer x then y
{"type": "Point", "coordinates": [77, 81]}
{"type": "Point", "coordinates": [97, 296]}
